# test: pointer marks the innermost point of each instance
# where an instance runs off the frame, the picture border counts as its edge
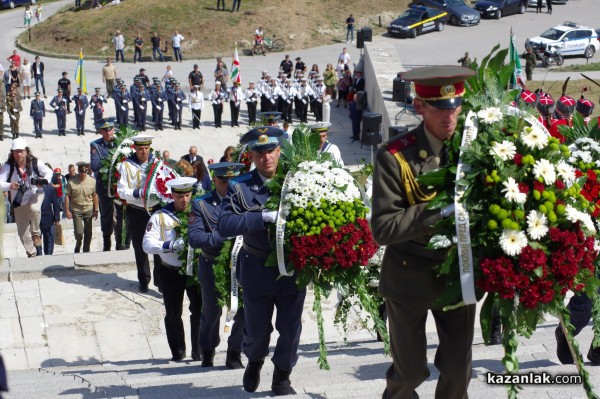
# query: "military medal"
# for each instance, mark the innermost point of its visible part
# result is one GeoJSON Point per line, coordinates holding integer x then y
{"type": "Point", "coordinates": [423, 154]}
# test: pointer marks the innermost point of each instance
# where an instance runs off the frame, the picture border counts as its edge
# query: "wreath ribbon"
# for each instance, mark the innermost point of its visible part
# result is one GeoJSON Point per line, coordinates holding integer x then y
{"type": "Point", "coordinates": [280, 230]}
{"type": "Point", "coordinates": [239, 241]}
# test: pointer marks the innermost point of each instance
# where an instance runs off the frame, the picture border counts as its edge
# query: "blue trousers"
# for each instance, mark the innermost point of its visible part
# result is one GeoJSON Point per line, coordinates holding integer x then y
{"type": "Point", "coordinates": [48, 239]}
{"type": "Point", "coordinates": [38, 80]}
{"type": "Point", "coordinates": [157, 50]}
{"type": "Point", "coordinates": [117, 52]}
{"type": "Point", "coordinates": [264, 290]}
{"type": "Point", "coordinates": [177, 53]}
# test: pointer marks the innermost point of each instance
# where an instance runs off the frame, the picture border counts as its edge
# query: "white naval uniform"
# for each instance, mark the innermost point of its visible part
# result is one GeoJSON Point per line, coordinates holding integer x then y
{"type": "Point", "coordinates": [133, 176]}
{"type": "Point", "coordinates": [160, 230]}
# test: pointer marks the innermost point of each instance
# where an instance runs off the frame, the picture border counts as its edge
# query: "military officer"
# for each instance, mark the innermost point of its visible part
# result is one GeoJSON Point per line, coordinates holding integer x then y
{"type": "Point", "coordinates": [401, 221]}
{"type": "Point", "coordinates": [97, 108]}
{"type": "Point", "coordinates": [159, 99]}
{"type": "Point", "coordinates": [81, 104]}
{"type": "Point", "coordinates": [235, 98]}
{"type": "Point", "coordinates": [202, 234]}
{"type": "Point", "coordinates": [217, 96]}
{"type": "Point", "coordinates": [59, 103]}
{"type": "Point", "coordinates": [14, 108]}
{"type": "Point", "coordinates": [122, 101]}
{"type": "Point", "coordinates": [37, 111]}
{"type": "Point", "coordinates": [243, 213]}
{"type": "Point", "coordinates": [270, 118]}
{"type": "Point", "coordinates": [196, 103]}
{"type": "Point", "coordinates": [130, 189]}
{"type": "Point", "coordinates": [251, 96]}
{"type": "Point", "coordinates": [160, 239]}
{"type": "Point", "coordinates": [141, 99]}
{"type": "Point", "coordinates": [176, 100]}
{"type": "Point", "coordinates": [530, 61]}
{"type": "Point", "coordinates": [100, 150]}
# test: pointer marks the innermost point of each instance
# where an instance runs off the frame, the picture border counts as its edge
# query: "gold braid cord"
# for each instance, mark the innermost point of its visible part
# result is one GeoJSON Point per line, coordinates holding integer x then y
{"type": "Point", "coordinates": [412, 188]}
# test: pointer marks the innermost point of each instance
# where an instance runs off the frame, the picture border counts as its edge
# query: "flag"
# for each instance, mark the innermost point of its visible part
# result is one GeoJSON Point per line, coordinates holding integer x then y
{"type": "Point", "coordinates": [518, 77]}
{"type": "Point", "coordinates": [235, 68]}
{"type": "Point", "coordinates": [80, 74]}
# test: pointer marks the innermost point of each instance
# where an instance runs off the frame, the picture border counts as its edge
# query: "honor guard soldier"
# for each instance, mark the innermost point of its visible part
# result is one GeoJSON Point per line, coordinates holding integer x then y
{"type": "Point", "coordinates": [130, 188]}
{"type": "Point", "coordinates": [273, 94]}
{"type": "Point", "coordinates": [585, 108]}
{"type": "Point", "coordinates": [2, 110]}
{"type": "Point", "coordinates": [160, 239]}
{"type": "Point", "coordinates": [122, 101]}
{"type": "Point", "coordinates": [545, 107]}
{"type": "Point", "coordinates": [243, 213]}
{"type": "Point", "coordinates": [99, 150]}
{"type": "Point", "coordinates": [202, 234]}
{"type": "Point", "coordinates": [235, 98]}
{"type": "Point", "coordinates": [251, 95]}
{"type": "Point", "coordinates": [176, 100]}
{"type": "Point", "coordinates": [14, 108]}
{"type": "Point", "coordinates": [37, 111]}
{"type": "Point", "coordinates": [159, 99]}
{"type": "Point", "coordinates": [563, 116]}
{"type": "Point", "coordinates": [323, 129]}
{"type": "Point", "coordinates": [96, 105]}
{"type": "Point", "coordinates": [217, 97]}
{"type": "Point", "coordinates": [141, 101]}
{"type": "Point", "coordinates": [401, 221]}
{"type": "Point", "coordinates": [81, 104]}
{"type": "Point", "coordinates": [59, 103]}
{"type": "Point", "coordinates": [196, 104]}
{"type": "Point", "coordinates": [304, 96]}
{"type": "Point", "coordinates": [289, 93]}
{"type": "Point", "coordinates": [317, 102]}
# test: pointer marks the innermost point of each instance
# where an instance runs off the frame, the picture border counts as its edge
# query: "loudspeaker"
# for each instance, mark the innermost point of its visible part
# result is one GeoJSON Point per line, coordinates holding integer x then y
{"type": "Point", "coordinates": [396, 131]}
{"type": "Point", "coordinates": [367, 33]}
{"type": "Point", "coordinates": [401, 89]}
{"type": "Point", "coordinates": [361, 100]}
{"type": "Point", "coordinates": [360, 43]}
{"type": "Point", "coordinates": [371, 128]}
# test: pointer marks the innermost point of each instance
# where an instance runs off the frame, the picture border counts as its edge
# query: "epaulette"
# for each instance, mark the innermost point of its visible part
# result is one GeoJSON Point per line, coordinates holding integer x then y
{"type": "Point", "coordinates": [401, 142]}
{"type": "Point", "coordinates": [241, 178]}
{"type": "Point", "coordinates": [97, 141]}
{"type": "Point", "coordinates": [203, 197]}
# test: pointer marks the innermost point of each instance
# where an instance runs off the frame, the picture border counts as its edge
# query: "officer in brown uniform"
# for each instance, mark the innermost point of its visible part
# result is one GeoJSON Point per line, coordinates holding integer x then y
{"type": "Point", "coordinates": [401, 221]}
{"type": "Point", "coordinates": [14, 108]}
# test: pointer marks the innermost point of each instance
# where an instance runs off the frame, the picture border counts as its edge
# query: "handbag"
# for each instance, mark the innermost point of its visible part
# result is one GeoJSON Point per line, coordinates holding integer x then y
{"type": "Point", "coordinates": [59, 236]}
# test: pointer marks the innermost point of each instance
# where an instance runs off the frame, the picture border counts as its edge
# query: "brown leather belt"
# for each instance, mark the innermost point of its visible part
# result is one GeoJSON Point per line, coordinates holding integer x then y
{"type": "Point", "coordinates": [256, 252]}
{"type": "Point", "coordinates": [211, 257]}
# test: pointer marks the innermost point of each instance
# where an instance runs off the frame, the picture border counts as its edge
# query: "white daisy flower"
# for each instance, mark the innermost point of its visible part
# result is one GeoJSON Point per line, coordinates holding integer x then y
{"type": "Point", "coordinates": [505, 150]}
{"type": "Point", "coordinates": [537, 225]}
{"type": "Point", "coordinates": [575, 215]}
{"type": "Point", "coordinates": [544, 169]}
{"type": "Point", "coordinates": [511, 188]}
{"type": "Point", "coordinates": [533, 138]}
{"type": "Point", "coordinates": [490, 115]}
{"type": "Point", "coordinates": [566, 172]}
{"type": "Point", "coordinates": [513, 242]}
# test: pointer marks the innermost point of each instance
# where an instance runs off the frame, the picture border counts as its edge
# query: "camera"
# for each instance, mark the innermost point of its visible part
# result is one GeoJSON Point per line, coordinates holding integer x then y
{"type": "Point", "coordinates": [38, 181]}
{"type": "Point", "coordinates": [19, 195]}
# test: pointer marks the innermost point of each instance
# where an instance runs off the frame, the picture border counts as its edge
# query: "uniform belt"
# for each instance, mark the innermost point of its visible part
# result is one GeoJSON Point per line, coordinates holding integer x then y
{"type": "Point", "coordinates": [256, 252]}
{"type": "Point", "coordinates": [166, 264]}
{"type": "Point", "coordinates": [209, 256]}
{"type": "Point", "coordinates": [141, 208]}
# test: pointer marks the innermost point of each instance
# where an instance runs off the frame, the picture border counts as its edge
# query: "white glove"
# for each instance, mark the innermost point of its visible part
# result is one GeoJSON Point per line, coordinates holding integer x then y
{"type": "Point", "coordinates": [102, 98]}
{"type": "Point", "coordinates": [123, 108]}
{"type": "Point", "coordinates": [272, 101]}
{"type": "Point", "coordinates": [14, 118]}
{"type": "Point", "coordinates": [269, 216]}
{"type": "Point", "coordinates": [81, 112]}
{"type": "Point", "coordinates": [158, 108]}
{"type": "Point", "coordinates": [178, 245]}
{"type": "Point", "coordinates": [15, 110]}
{"type": "Point", "coordinates": [56, 108]}
{"type": "Point", "coordinates": [446, 211]}
{"type": "Point", "coordinates": [179, 100]}
{"type": "Point", "coordinates": [160, 100]}
{"type": "Point", "coordinates": [124, 101]}
{"type": "Point", "coordinates": [93, 105]}
{"type": "Point", "coordinates": [142, 107]}
{"type": "Point", "coordinates": [304, 102]}
{"type": "Point", "coordinates": [368, 216]}
{"type": "Point", "coordinates": [177, 107]}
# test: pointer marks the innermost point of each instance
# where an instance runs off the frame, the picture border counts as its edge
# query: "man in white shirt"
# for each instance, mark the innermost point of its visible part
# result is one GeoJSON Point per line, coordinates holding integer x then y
{"type": "Point", "coordinates": [118, 41]}
{"type": "Point", "coordinates": [196, 103]}
{"type": "Point", "coordinates": [344, 56]}
{"type": "Point", "coordinates": [176, 42]}
{"type": "Point", "coordinates": [323, 128]}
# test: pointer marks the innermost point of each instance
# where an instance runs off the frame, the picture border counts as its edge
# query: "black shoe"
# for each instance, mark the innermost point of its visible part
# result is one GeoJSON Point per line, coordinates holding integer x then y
{"type": "Point", "coordinates": [143, 288]}
{"type": "Point", "coordinates": [281, 383]}
{"type": "Point", "coordinates": [234, 360]}
{"type": "Point", "coordinates": [562, 347]}
{"type": "Point", "coordinates": [252, 375]}
{"type": "Point", "coordinates": [495, 336]}
{"type": "Point", "coordinates": [594, 356]}
{"type": "Point", "coordinates": [196, 357]}
{"type": "Point", "coordinates": [177, 357]}
{"type": "Point", "coordinates": [208, 358]}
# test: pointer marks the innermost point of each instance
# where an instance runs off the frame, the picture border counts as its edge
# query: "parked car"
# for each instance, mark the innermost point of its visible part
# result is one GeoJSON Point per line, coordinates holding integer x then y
{"type": "Point", "coordinates": [499, 8]}
{"type": "Point", "coordinates": [573, 39]}
{"type": "Point", "coordinates": [459, 13]}
{"type": "Point", "coordinates": [14, 3]}
{"type": "Point", "coordinates": [417, 20]}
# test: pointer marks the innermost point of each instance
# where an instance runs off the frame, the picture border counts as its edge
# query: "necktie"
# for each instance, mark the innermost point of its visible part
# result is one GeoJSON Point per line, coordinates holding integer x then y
{"type": "Point", "coordinates": [444, 155]}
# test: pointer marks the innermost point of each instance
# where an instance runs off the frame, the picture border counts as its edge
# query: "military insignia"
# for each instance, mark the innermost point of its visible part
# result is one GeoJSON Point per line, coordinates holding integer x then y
{"type": "Point", "coordinates": [230, 173]}
{"type": "Point", "coordinates": [263, 138]}
{"type": "Point", "coordinates": [264, 130]}
{"type": "Point", "coordinates": [149, 226]}
{"type": "Point", "coordinates": [423, 154]}
{"type": "Point", "coordinates": [448, 90]}
{"type": "Point", "coordinates": [191, 219]}
{"type": "Point", "coordinates": [93, 150]}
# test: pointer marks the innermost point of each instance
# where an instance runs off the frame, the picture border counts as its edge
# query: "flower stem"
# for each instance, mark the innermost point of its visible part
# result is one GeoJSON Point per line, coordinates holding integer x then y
{"type": "Point", "coordinates": [323, 364]}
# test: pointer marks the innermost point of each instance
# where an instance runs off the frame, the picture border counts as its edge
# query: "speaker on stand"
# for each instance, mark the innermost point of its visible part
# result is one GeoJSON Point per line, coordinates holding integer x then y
{"type": "Point", "coordinates": [371, 131]}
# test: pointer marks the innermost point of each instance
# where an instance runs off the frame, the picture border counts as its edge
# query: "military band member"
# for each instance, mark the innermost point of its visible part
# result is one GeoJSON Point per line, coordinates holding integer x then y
{"type": "Point", "coordinates": [141, 101]}
{"type": "Point", "coordinates": [243, 213]}
{"type": "Point", "coordinates": [37, 111]}
{"type": "Point", "coordinates": [273, 94]}
{"type": "Point", "coordinates": [217, 97]}
{"type": "Point", "coordinates": [130, 189]}
{"type": "Point", "coordinates": [81, 104]}
{"type": "Point", "coordinates": [196, 104]}
{"type": "Point", "coordinates": [122, 102]}
{"type": "Point", "coordinates": [96, 102]}
{"type": "Point", "coordinates": [409, 280]}
{"type": "Point", "coordinates": [251, 95]}
{"type": "Point", "coordinates": [202, 234]}
{"type": "Point", "coordinates": [159, 99]}
{"type": "Point", "coordinates": [160, 239]}
{"type": "Point", "coordinates": [235, 98]}
{"type": "Point", "coordinates": [14, 108]}
{"type": "Point", "coordinates": [176, 100]}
